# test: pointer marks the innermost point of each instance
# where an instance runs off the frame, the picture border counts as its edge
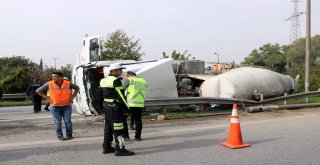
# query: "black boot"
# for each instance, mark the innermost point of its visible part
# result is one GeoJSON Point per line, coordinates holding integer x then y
{"type": "Point", "coordinates": [123, 152]}
{"type": "Point", "coordinates": [108, 150]}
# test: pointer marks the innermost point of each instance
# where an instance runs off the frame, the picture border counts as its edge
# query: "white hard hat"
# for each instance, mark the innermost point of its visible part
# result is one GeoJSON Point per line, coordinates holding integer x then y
{"type": "Point", "coordinates": [116, 66]}
{"type": "Point", "coordinates": [65, 78]}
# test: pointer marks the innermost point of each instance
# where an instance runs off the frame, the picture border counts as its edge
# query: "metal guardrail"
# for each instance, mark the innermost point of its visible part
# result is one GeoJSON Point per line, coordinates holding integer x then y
{"type": "Point", "coordinates": [14, 96]}
{"type": "Point", "coordinates": [262, 108]}
{"type": "Point", "coordinates": [296, 95]}
{"type": "Point", "coordinates": [204, 100]}
{"type": "Point", "coordinates": [166, 105]}
{"type": "Point", "coordinates": [195, 100]}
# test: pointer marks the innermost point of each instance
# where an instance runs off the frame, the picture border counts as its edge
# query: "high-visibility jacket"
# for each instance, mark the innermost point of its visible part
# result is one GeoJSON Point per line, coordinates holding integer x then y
{"type": "Point", "coordinates": [136, 92]}
{"type": "Point", "coordinates": [111, 92]}
{"type": "Point", "coordinates": [60, 96]}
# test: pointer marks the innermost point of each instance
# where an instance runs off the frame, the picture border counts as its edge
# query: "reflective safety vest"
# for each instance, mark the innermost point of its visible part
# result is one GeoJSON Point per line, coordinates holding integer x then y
{"type": "Point", "coordinates": [108, 83]}
{"type": "Point", "coordinates": [60, 96]}
{"type": "Point", "coordinates": [136, 92]}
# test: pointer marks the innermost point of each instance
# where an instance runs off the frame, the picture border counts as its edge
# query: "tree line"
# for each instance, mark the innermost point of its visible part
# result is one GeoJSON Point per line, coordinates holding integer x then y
{"type": "Point", "coordinates": [17, 72]}
{"type": "Point", "coordinates": [289, 59]}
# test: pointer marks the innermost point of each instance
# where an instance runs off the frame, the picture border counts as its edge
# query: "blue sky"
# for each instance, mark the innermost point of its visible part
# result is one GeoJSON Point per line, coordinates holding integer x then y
{"type": "Point", "coordinates": [45, 29]}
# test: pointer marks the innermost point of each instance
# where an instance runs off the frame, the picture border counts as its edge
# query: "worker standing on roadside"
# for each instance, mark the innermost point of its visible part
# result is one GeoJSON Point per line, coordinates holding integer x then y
{"type": "Point", "coordinates": [136, 93]}
{"type": "Point", "coordinates": [48, 104]}
{"type": "Point", "coordinates": [60, 97]}
{"type": "Point", "coordinates": [115, 107]}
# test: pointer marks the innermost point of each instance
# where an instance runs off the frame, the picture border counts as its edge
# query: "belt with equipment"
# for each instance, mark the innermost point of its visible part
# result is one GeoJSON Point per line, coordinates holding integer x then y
{"type": "Point", "coordinates": [110, 102]}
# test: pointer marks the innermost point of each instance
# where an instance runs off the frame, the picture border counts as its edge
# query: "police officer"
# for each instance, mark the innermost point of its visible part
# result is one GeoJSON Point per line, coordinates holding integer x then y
{"type": "Point", "coordinates": [36, 99]}
{"type": "Point", "coordinates": [115, 107]}
{"type": "Point", "coordinates": [135, 93]}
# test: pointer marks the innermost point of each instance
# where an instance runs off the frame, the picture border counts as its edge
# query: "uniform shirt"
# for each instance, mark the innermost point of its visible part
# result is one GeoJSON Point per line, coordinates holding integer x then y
{"type": "Point", "coordinates": [32, 89]}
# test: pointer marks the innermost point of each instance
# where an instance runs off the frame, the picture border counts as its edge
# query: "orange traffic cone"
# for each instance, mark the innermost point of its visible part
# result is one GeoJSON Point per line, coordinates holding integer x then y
{"type": "Point", "coordinates": [235, 138]}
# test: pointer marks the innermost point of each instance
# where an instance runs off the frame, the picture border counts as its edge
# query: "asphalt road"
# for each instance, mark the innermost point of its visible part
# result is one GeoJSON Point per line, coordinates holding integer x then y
{"type": "Point", "coordinates": [284, 137]}
{"type": "Point", "coordinates": [17, 113]}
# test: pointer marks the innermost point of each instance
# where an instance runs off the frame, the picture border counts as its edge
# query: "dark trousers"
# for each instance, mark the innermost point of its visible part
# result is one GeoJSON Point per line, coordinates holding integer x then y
{"type": "Point", "coordinates": [131, 121]}
{"type": "Point", "coordinates": [113, 114]}
{"type": "Point", "coordinates": [36, 100]}
{"type": "Point", "coordinates": [47, 106]}
{"type": "Point", "coordinates": [136, 115]}
{"type": "Point", "coordinates": [125, 124]}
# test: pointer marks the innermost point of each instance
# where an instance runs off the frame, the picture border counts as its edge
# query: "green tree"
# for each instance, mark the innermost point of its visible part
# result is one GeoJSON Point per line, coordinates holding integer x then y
{"type": "Point", "coordinates": [254, 58]}
{"type": "Point", "coordinates": [16, 73]}
{"type": "Point", "coordinates": [269, 56]}
{"type": "Point", "coordinates": [177, 56]}
{"type": "Point", "coordinates": [67, 70]}
{"type": "Point", "coordinates": [275, 57]}
{"type": "Point", "coordinates": [296, 58]}
{"type": "Point", "coordinates": [41, 64]}
{"type": "Point", "coordinates": [119, 46]}
{"type": "Point", "coordinates": [296, 51]}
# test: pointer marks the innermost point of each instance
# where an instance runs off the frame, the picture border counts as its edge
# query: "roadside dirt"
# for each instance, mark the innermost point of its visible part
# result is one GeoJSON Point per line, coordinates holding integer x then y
{"type": "Point", "coordinates": [95, 123]}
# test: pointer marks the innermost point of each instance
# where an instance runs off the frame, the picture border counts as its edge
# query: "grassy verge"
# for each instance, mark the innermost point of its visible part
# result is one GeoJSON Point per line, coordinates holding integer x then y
{"type": "Point", "coordinates": [15, 103]}
{"type": "Point", "coordinates": [303, 100]}
{"type": "Point", "coordinates": [185, 114]}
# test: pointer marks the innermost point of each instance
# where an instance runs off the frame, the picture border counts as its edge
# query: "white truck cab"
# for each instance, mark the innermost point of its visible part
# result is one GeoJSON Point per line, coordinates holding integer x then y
{"type": "Point", "coordinates": [89, 70]}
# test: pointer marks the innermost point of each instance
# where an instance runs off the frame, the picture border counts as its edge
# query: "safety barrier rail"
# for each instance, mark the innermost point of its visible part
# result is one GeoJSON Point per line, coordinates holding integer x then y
{"type": "Point", "coordinates": [14, 96]}
{"type": "Point", "coordinates": [195, 100]}
{"type": "Point", "coordinates": [296, 95]}
{"type": "Point", "coordinates": [164, 103]}
{"type": "Point", "coordinates": [203, 100]}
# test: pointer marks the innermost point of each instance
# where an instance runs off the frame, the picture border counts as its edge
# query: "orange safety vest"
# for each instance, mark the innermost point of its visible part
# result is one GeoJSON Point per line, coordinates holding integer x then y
{"type": "Point", "coordinates": [60, 96]}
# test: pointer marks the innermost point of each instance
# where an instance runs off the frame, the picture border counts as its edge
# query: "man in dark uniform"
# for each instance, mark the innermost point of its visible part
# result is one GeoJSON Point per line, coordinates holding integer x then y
{"type": "Point", "coordinates": [36, 99]}
{"type": "Point", "coordinates": [115, 107]}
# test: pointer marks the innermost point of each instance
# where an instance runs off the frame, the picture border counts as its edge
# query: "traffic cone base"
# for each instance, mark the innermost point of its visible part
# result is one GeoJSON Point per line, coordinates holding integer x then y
{"type": "Point", "coordinates": [234, 146]}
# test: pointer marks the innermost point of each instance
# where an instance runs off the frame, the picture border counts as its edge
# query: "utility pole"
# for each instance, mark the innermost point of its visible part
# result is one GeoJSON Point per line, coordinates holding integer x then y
{"type": "Point", "coordinates": [55, 62]}
{"type": "Point", "coordinates": [308, 48]}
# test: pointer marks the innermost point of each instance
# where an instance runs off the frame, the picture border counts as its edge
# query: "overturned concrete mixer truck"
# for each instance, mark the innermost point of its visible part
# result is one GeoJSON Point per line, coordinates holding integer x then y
{"type": "Point", "coordinates": [173, 79]}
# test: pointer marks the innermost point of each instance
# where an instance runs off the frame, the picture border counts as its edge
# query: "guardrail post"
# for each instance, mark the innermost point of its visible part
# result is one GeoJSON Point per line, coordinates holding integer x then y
{"type": "Point", "coordinates": [164, 111]}
{"type": "Point", "coordinates": [307, 100]}
{"type": "Point", "coordinates": [285, 101]}
{"type": "Point", "coordinates": [261, 97]}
